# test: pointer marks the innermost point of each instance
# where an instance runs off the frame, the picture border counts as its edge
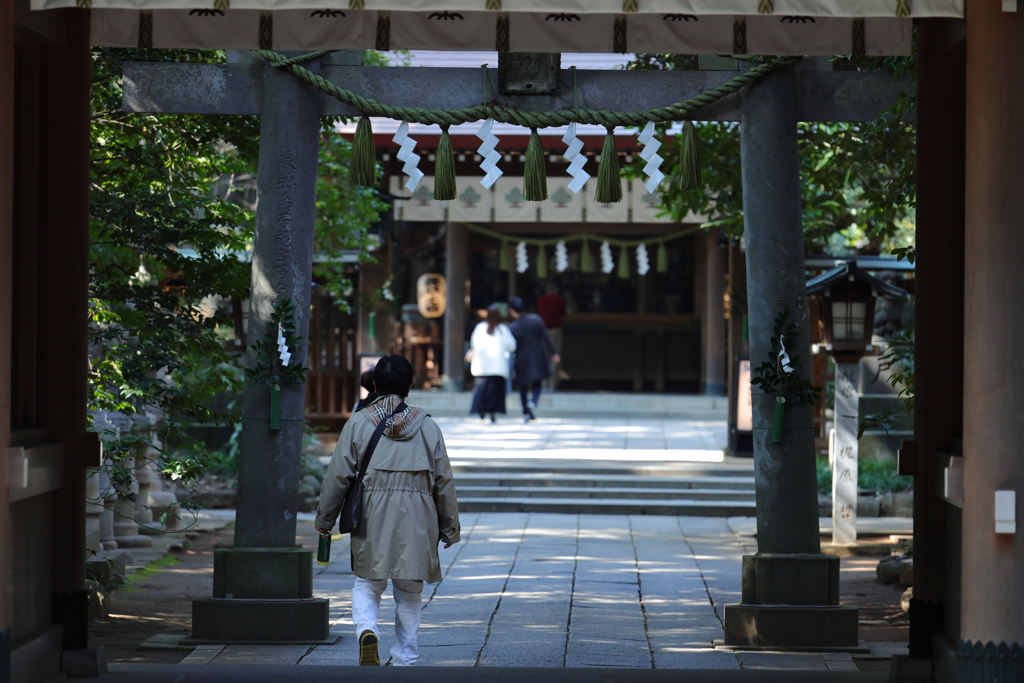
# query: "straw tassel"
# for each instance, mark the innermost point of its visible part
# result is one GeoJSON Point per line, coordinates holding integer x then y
{"type": "Point", "coordinates": [609, 187]}
{"type": "Point", "coordinates": [364, 155]}
{"type": "Point", "coordinates": [444, 170]}
{"type": "Point", "coordinates": [662, 266]}
{"type": "Point", "coordinates": [503, 262]}
{"type": "Point", "coordinates": [542, 262]}
{"type": "Point", "coordinates": [535, 179]}
{"type": "Point", "coordinates": [623, 263]}
{"type": "Point", "coordinates": [689, 158]}
{"type": "Point", "coordinates": [586, 261]}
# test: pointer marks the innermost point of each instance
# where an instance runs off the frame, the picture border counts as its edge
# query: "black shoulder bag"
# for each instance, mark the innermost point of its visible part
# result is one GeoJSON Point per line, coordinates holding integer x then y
{"type": "Point", "coordinates": [352, 509]}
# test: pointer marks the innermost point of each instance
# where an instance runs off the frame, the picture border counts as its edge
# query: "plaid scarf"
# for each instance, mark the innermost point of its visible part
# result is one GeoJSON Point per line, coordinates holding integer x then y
{"type": "Point", "coordinates": [383, 406]}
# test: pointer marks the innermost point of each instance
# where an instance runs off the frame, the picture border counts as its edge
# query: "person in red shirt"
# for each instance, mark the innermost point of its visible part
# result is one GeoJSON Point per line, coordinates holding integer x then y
{"type": "Point", "coordinates": [551, 309]}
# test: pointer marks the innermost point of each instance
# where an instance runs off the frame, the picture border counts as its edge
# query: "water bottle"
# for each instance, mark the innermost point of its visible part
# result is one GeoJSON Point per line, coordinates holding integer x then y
{"type": "Point", "coordinates": [323, 550]}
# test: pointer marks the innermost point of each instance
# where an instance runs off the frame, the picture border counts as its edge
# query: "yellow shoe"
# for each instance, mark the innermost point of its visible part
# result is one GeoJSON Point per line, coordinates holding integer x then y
{"type": "Point", "coordinates": [368, 649]}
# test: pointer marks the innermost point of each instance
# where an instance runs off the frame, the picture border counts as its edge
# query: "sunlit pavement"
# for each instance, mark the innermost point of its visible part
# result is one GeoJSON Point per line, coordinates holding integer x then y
{"type": "Point", "coordinates": [600, 438]}
{"type": "Point", "coordinates": [569, 590]}
{"type": "Point", "coordinates": [554, 590]}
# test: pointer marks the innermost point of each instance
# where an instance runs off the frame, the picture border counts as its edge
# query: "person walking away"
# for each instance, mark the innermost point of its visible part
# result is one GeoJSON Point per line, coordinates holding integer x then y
{"type": "Point", "coordinates": [533, 344]}
{"type": "Point", "coordinates": [492, 345]}
{"type": "Point", "coordinates": [409, 506]}
{"type": "Point", "coordinates": [551, 309]}
{"type": "Point", "coordinates": [366, 382]}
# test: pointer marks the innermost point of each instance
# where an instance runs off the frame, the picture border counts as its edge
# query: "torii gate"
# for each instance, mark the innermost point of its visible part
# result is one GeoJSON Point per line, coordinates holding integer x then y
{"type": "Point", "coordinates": [790, 590]}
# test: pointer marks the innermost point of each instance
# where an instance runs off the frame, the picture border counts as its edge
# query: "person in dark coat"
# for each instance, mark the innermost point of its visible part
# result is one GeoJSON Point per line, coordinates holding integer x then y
{"type": "Point", "coordinates": [533, 344]}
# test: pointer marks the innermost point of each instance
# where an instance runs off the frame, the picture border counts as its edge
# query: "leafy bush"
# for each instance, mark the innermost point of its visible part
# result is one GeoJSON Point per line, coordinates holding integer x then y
{"type": "Point", "coordinates": [871, 476]}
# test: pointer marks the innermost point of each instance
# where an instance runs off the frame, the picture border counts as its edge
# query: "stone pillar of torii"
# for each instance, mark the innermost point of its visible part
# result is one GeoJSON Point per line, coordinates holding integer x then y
{"type": "Point", "coordinates": [790, 590]}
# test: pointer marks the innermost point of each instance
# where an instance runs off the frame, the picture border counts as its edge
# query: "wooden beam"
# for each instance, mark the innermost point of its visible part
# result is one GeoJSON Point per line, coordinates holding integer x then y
{"type": "Point", "coordinates": [7, 174]}
{"type": "Point", "coordinates": [237, 89]}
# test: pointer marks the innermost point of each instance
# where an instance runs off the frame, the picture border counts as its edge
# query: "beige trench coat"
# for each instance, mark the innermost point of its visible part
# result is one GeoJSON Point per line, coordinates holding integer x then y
{"type": "Point", "coordinates": [409, 503]}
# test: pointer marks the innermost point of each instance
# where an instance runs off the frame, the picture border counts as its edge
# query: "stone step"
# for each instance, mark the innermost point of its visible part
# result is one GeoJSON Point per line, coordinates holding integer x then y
{"type": "Point", "coordinates": [590, 404]}
{"type": "Point", "coordinates": [610, 493]}
{"type": "Point", "coordinates": [596, 481]}
{"type": "Point", "coordinates": [598, 469]}
{"type": "Point", "coordinates": [604, 506]}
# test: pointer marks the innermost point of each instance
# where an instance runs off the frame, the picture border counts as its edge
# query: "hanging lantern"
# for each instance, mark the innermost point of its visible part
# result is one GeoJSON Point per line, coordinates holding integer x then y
{"type": "Point", "coordinates": [431, 295]}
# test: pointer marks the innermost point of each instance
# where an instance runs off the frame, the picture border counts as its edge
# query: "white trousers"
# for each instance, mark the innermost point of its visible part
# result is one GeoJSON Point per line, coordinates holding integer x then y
{"type": "Point", "coordinates": [366, 606]}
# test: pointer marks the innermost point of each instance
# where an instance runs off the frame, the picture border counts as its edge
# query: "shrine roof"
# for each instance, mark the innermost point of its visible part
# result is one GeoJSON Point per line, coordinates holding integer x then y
{"type": "Point", "coordinates": [811, 8]}
{"type": "Point", "coordinates": [712, 27]}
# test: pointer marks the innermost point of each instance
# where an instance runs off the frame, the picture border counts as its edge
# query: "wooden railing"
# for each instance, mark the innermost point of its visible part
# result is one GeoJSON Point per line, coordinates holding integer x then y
{"type": "Point", "coordinates": [332, 380]}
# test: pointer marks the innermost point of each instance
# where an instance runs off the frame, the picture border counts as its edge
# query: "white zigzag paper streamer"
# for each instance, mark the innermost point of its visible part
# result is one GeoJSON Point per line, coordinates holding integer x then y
{"type": "Point", "coordinates": [650, 155]}
{"type": "Point", "coordinates": [643, 262]}
{"type": "Point", "coordinates": [282, 347]}
{"type": "Point", "coordinates": [522, 260]}
{"type": "Point", "coordinates": [491, 157]}
{"type": "Point", "coordinates": [561, 257]}
{"type": "Point", "coordinates": [607, 262]}
{"type": "Point", "coordinates": [406, 154]}
{"type": "Point", "coordinates": [577, 160]}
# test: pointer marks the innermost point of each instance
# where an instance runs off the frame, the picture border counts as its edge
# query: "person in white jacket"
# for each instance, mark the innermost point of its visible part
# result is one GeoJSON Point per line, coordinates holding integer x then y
{"type": "Point", "coordinates": [491, 346]}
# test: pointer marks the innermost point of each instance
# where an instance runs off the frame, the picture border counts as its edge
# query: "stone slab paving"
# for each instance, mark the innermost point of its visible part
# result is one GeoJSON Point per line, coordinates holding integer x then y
{"type": "Point", "coordinates": [674, 439]}
{"type": "Point", "coordinates": [559, 590]}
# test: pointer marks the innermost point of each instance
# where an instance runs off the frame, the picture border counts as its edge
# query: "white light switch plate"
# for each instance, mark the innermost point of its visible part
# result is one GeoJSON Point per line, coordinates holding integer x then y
{"type": "Point", "coordinates": [1006, 512]}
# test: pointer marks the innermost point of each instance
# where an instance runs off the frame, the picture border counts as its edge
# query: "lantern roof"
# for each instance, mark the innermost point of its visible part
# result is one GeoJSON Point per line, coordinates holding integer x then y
{"type": "Point", "coordinates": [847, 271]}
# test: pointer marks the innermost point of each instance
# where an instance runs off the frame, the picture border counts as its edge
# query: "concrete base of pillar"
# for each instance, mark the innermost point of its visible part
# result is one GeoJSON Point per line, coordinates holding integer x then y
{"type": "Point", "coordinates": [787, 626]}
{"type": "Point", "coordinates": [263, 573]}
{"type": "Point", "coordinates": [261, 595]}
{"type": "Point", "coordinates": [802, 579]}
{"type": "Point", "coordinates": [228, 621]}
{"type": "Point", "coordinates": [88, 663]}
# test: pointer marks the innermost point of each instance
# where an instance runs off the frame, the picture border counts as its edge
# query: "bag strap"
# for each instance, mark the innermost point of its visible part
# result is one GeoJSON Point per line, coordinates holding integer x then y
{"type": "Point", "coordinates": [377, 433]}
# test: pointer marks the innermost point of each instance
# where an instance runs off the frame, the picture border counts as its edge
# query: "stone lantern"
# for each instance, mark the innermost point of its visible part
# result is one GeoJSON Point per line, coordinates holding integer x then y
{"type": "Point", "coordinates": [846, 296]}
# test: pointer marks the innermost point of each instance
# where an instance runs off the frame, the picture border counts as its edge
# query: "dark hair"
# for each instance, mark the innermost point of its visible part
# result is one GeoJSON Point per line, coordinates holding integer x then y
{"type": "Point", "coordinates": [393, 375]}
{"type": "Point", "coordinates": [516, 304]}
{"type": "Point", "coordinates": [366, 381]}
{"type": "Point", "coordinates": [493, 318]}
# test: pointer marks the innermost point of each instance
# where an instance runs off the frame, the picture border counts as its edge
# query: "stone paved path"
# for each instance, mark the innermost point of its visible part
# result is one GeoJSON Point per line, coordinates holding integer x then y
{"type": "Point", "coordinates": [553, 590]}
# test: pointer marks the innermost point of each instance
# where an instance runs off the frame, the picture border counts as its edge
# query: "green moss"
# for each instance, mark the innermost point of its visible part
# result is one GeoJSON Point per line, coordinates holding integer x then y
{"type": "Point", "coordinates": [149, 570]}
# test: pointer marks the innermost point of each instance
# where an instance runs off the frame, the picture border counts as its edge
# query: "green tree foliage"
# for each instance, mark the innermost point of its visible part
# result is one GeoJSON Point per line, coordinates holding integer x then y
{"type": "Point", "coordinates": [166, 233]}
{"type": "Point", "coordinates": [163, 253]}
{"type": "Point", "coordinates": [344, 215]}
{"type": "Point", "coordinates": [857, 178]}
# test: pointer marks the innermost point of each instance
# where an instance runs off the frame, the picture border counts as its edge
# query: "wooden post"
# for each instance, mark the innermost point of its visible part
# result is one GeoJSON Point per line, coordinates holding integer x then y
{"type": "Point", "coordinates": [939, 325]}
{"type": "Point", "coordinates": [713, 319]}
{"type": "Point", "coordinates": [7, 104]}
{"type": "Point", "coordinates": [992, 564]}
{"type": "Point", "coordinates": [456, 254]}
{"type": "Point", "coordinates": [63, 284]}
